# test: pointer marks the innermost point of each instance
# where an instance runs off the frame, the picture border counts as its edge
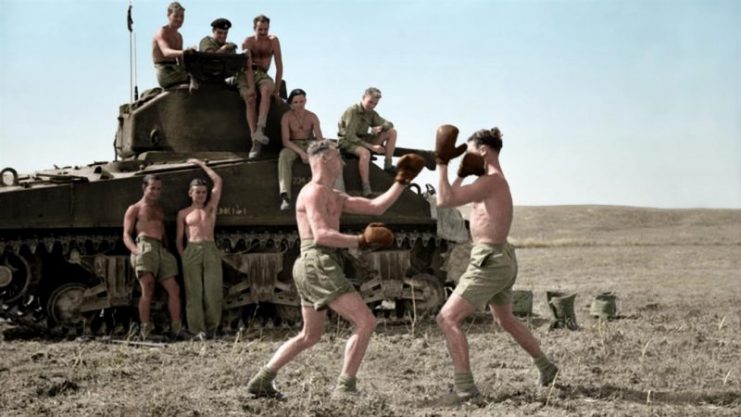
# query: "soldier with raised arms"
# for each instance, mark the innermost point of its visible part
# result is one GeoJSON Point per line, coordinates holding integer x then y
{"type": "Point", "coordinates": [167, 49]}
{"type": "Point", "coordinates": [317, 271]}
{"type": "Point", "coordinates": [202, 273]}
{"type": "Point", "coordinates": [493, 266]}
{"type": "Point", "coordinates": [262, 47]}
{"type": "Point", "coordinates": [152, 262]}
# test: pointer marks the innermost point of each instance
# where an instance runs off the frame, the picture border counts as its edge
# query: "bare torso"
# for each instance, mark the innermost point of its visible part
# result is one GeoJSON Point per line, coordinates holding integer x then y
{"type": "Point", "coordinates": [327, 202]}
{"type": "Point", "coordinates": [261, 50]}
{"type": "Point", "coordinates": [301, 125]}
{"type": "Point", "coordinates": [490, 219]}
{"type": "Point", "coordinates": [171, 37]}
{"type": "Point", "coordinates": [150, 220]}
{"type": "Point", "coordinates": [199, 224]}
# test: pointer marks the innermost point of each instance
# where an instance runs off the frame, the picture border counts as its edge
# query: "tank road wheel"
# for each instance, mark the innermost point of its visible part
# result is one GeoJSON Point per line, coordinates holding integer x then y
{"type": "Point", "coordinates": [15, 276]}
{"type": "Point", "coordinates": [428, 295]}
{"type": "Point", "coordinates": [288, 314]}
{"type": "Point", "coordinates": [64, 304]}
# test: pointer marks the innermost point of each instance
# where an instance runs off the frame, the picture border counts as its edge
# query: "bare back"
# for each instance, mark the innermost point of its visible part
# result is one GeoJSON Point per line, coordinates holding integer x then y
{"type": "Point", "coordinates": [170, 38]}
{"type": "Point", "coordinates": [491, 217]}
{"type": "Point", "coordinates": [261, 50]}
{"type": "Point", "coordinates": [318, 205]}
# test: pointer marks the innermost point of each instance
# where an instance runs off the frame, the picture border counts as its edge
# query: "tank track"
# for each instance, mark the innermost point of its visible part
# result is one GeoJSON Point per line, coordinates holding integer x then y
{"type": "Point", "coordinates": [23, 301]}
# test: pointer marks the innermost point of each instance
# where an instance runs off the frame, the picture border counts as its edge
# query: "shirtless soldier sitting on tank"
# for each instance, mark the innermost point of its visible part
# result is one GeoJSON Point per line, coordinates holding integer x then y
{"type": "Point", "coordinates": [317, 272]}
{"type": "Point", "coordinates": [493, 267]}
{"type": "Point", "coordinates": [149, 258]}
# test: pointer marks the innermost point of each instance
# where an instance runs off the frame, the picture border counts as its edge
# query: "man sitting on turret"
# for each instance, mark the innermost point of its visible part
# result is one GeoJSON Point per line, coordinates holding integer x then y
{"type": "Point", "coordinates": [217, 43]}
{"type": "Point", "coordinates": [167, 49]}
{"type": "Point", "coordinates": [263, 48]}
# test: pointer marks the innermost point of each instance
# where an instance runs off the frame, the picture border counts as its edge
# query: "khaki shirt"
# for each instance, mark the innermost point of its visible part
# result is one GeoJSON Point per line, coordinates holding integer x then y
{"type": "Point", "coordinates": [356, 122]}
{"type": "Point", "coordinates": [209, 43]}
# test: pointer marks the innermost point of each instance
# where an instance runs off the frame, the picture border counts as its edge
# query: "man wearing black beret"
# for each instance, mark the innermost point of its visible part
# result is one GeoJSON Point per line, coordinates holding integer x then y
{"type": "Point", "coordinates": [217, 43]}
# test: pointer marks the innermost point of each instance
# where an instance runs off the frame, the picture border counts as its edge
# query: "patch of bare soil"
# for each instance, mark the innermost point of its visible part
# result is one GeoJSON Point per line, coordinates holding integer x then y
{"type": "Point", "coordinates": [675, 351]}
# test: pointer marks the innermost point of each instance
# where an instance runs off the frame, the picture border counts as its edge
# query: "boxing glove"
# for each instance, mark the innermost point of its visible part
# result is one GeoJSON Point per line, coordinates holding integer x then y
{"type": "Point", "coordinates": [376, 236]}
{"type": "Point", "coordinates": [445, 149]}
{"type": "Point", "coordinates": [408, 167]}
{"type": "Point", "coordinates": [472, 164]}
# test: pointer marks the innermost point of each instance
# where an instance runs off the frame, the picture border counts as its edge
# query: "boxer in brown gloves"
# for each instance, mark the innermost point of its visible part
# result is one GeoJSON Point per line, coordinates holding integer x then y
{"type": "Point", "coordinates": [493, 266]}
{"type": "Point", "coordinates": [319, 278]}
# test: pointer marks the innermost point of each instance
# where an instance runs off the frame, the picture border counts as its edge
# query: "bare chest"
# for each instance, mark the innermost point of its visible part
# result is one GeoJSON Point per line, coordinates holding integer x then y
{"type": "Point", "coordinates": [197, 217]}
{"type": "Point", "coordinates": [261, 49]}
{"type": "Point", "coordinates": [150, 214]}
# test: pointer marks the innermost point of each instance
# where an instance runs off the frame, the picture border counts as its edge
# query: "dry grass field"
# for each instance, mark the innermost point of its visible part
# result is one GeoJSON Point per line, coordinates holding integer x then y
{"type": "Point", "coordinates": [674, 351]}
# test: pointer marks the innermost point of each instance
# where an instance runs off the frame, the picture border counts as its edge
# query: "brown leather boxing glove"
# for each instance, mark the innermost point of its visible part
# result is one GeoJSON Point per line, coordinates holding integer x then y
{"type": "Point", "coordinates": [472, 164]}
{"type": "Point", "coordinates": [445, 149]}
{"type": "Point", "coordinates": [376, 236]}
{"type": "Point", "coordinates": [408, 167]}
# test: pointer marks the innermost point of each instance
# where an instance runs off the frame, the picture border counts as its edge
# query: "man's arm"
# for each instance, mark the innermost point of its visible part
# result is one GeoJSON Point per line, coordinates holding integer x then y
{"type": "Point", "coordinates": [377, 120]}
{"type": "Point", "coordinates": [278, 55]}
{"type": "Point", "coordinates": [456, 195]}
{"type": "Point", "coordinates": [129, 224]}
{"type": "Point", "coordinates": [315, 203]}
{"type": "Point", "coordinates": [213, 203]}
{"type": "Point", "coordinates": [376, 206]}
{"type": "Point", "coordinates": [164, 46]}
{"type": "Point", "coordinates": [180, 232]}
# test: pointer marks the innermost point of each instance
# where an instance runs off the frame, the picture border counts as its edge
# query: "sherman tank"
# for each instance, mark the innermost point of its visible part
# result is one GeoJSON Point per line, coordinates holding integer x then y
{"type": "Point", "coordinates": [63, 264]}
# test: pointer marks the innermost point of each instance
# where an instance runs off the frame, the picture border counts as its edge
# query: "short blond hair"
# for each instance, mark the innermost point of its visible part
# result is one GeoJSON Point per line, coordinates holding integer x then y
{"type": "Point", "coordinates": [174, 7]}
{"type": "Point", "coordinates": [372, 91]}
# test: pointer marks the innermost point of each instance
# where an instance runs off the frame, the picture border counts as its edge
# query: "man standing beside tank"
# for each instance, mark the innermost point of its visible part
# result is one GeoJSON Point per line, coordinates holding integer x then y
{"type": "Point", "coordinates": [492, 269]}
{"type": "Point", "coordinates": [217, 43]}
{"type": "Point", "coordinates": [362, 132]}
{"type": "Point", "coordinates": [299, 129]}
{"type": "Point", "coordinates": [317, 271]}
{"type": "Point", "coordinates": [262, 47]}
{"type": "Point", "coordinates": [167, 49]}
{"type": "Point", "coordinates": [201, 258]}
{"type": "Point", "coordinates": [149, 258]}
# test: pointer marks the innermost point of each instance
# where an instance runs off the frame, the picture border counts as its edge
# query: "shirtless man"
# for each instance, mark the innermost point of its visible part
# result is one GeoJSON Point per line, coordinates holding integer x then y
{"type": "Point", "coordinates": [167, 49]}
{"type": "Point", "coordinates": [262, 48]}
{"type": "Point", "coordinates": [493, 266]}
{"type": "Point", "coordinates": [149, 258]}
{"type": "Point", "coordinates": [299, 129]}
{"type": "Point", "coordinates": [362, 132]}
{"type": "Point", "coordinates": [201, 259]}
{"type": "Point", "coordinates": [217, 43]}
{"type": "Point", "coordinates": [318, 275]}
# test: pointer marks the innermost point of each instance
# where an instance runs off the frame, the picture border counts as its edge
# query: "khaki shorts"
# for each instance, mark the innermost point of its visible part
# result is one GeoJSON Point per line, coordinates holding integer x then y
{"type": "Point", "coordinates": [262, 77]}
{"type": "Point", "coordinates": [318, 276]}
{"type": "Point", "coordinates": [169, 75]}
{"type": "Point", "coordinates": [348, 145]}
{"type": "Point", "coordinates": [490, 275]}
{"type": "Point", "coordinates": [153, 258]}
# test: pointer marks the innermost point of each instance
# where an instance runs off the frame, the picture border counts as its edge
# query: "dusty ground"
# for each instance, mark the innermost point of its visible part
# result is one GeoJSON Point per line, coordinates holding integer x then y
{"type": "Point", "coordinates": [676, 350]}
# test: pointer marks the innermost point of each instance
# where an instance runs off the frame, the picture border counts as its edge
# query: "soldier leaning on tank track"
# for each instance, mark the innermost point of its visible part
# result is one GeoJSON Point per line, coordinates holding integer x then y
{"type": "Point", "coordinates": [319, 278]}
{"type": "Point", "coordinates": [202, 274]}
{"type": "Point", "coordinates": [167, 49]}
{"type": "Point", "coordinates": [263, 48]}
{"type": "Point", "coordinates": [149, 257]}
{"type": "Point", "coordinates": [299, 128]}
{"type": "Point", "coordinates": [493, 266]}
{"type": "Point", "coordinates": [244, 80]}
{"type": "Point", "coordinates": [362, 132]}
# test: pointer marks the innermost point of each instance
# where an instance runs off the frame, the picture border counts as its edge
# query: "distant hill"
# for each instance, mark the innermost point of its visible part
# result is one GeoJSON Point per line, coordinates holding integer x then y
{"type": "Point", "coordinates": [618, 225]}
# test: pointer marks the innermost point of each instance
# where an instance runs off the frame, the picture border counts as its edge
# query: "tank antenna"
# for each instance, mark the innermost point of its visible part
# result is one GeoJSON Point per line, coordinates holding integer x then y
{"type": "Point", "coordinates": [133, 89]}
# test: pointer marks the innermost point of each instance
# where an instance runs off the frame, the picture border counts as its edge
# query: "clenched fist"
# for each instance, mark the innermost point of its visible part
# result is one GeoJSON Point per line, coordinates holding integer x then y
{"type": "Point", "coordinates": [376, 236]}
{"type": "Point", "coordinates": [445, 149]}
{"type": "Point", "coordinates": [472, 164]}
{"type": "Point", "coordinates": [408, 167]}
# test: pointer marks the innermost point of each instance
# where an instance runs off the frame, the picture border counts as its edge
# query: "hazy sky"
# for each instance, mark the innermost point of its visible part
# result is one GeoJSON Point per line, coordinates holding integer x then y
{"type": "Point", "coordinates": [600, 102]}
